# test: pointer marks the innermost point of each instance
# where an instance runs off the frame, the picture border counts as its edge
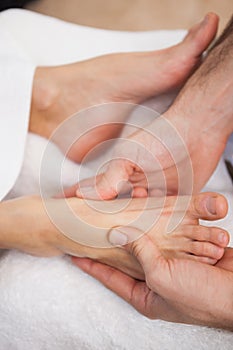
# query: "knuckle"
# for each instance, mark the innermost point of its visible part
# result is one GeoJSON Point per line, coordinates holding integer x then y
{"type": "Point", "coordinates": [204, 248]}
{"type": "Point", "coordinates": [135, 248]}
{"type": "Point", "coordinates": [202, 233]}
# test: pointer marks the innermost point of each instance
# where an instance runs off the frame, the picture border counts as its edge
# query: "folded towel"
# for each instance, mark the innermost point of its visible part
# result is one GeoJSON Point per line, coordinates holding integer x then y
{"type": "Point", "coordinates": [47, 303]}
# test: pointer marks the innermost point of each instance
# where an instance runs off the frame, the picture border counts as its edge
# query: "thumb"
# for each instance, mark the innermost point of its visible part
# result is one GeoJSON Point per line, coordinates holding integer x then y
{"type": "Point", "coordinates": [109, 184]}
{"type": "Point", "coordinates": [137, 243]}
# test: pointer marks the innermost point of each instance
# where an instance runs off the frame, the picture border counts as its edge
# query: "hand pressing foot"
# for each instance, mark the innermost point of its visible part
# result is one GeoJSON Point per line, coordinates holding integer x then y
{"type": "Point", "coordinates": [59, 92]}
{"type": "Point", "coordinates": [175, 290]}
{"type": "Point", "coordinates": [191, 134]}
{"type": "Point", "coordinates": [203, 111]}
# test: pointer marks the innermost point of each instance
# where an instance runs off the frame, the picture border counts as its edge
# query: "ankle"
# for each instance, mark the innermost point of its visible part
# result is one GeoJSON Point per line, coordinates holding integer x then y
{"type": "Point", "coordinates": [44, 96]}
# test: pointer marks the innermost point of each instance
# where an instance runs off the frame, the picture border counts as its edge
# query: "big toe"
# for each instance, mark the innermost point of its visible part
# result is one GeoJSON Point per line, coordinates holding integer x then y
{"type": "Point", "coordinates": [208, 206]}
{"type": "Point", "coordinates": [201, 35]}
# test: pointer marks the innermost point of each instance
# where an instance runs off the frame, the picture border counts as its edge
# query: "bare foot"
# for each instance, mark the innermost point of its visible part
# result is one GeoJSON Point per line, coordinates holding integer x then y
{"type": "Point", "coordinates": [172, 223]}
{"type": "Point", "coordinates": [188, 240]}
{"type": "Point", "coordinates": [128, 77]}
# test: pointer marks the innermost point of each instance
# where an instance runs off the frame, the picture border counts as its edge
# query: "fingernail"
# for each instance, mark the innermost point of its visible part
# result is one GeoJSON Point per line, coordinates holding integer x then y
{"type": "Point", "coordinates": [211, 205]}
{"type": "Point", "coordinates": [116, 237]}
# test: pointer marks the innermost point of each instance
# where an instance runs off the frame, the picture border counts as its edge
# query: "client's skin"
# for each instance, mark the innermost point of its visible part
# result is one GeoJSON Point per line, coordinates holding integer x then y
{"type": "Point", "coordinates": [202, 114]}
{"type": "Point", "coordinates": [181, 290]}
{"type": "Point", "coordinates": [57, 95]}
{"type": "Point", "coordinates": [59, 92]}
{"type": "Point", "coordinates": [176, 290]}
{"type": "Point", "coordinates": [36, 234]}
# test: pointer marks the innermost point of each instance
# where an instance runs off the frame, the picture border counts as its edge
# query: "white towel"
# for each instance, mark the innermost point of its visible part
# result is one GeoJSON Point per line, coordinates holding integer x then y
{"type": "Point", "coordinates": [50, 304]}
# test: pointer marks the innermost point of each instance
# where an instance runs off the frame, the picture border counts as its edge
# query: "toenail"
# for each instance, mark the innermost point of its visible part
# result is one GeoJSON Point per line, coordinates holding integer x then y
{"type": "Point", "coordinates": [211, 205]}
{"type": "Point", "coordinates": [203, 22]}
{"type": "Point", "coordinates": [222, 237]}
{"type": "Point", "coordinates": [206, 20]}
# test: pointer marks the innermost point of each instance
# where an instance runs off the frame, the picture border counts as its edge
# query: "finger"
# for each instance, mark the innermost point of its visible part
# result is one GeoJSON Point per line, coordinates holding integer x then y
{"type": "Point", "coordinates": [157, 192]}
{"type": "Point", "coordinates": [86, 183]}
{"type": "Point", "coordinates": [139, 192]}
{"type": "Point", "coordinates": [226, 261]}
{"type": "Point", "coordinates": [134, 292]}
{"type": "Point", "coordinates": [71, 191]}
{"type": "Point", "coordinates": [137, 243]}
{"type": "Point", "coordinates": [68, 192]}
{"type": "Point", "coordinates": [129, 289]}
{"type": "Point", "coordinates": [109, 184]}
{"type": "Point", "coordinates": [208, 206]}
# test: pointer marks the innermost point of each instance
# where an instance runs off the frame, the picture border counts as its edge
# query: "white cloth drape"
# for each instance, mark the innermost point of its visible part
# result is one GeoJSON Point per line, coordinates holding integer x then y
{"type": "Point", "coordinates": [16, 75]}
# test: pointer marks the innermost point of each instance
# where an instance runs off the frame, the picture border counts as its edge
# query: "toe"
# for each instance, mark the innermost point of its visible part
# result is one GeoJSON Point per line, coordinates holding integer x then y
{"type": "Point", "coordinates": [202, 259]}
{"type": "Point", "coordinates": [208, 206]}
{"type": "Point", "coordinates": [205, 249]}
{"type": "Point", "coordinates": [215, 235]}
{"type": "Point", "coordinates": [201, 35]}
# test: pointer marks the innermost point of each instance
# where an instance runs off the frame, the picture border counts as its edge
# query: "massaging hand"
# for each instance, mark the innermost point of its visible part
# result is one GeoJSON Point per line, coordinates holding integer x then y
{"type": "Point", "coordinates": [176, 290]}
{"type": "Point", "coordinates": [165, 157]}
{"type": "Point", "coordinates": [59, 92]}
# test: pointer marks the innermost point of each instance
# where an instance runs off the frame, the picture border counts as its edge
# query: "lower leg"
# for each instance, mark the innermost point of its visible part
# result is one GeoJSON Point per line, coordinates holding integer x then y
{"type": "Point", "coordinates": [203, 110]}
